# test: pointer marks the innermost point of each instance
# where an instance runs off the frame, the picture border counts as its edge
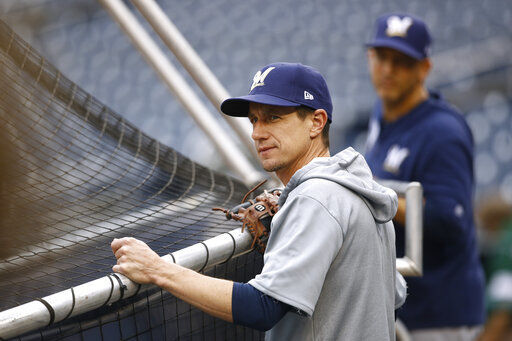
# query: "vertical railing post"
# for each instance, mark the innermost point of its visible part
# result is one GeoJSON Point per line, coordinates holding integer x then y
{"type": "Point", "coordinates": [412, 262]}
{"type": "Point", "coordinates": [414, 225]}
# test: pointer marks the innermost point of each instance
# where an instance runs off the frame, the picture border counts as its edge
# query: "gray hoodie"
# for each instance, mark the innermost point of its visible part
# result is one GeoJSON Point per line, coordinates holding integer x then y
{"type": "Point", "coordinates": [331, 254]}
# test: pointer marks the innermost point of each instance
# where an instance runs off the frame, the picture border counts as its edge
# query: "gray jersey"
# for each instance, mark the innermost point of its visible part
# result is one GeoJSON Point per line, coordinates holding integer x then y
{"type": "Point", "coordinates": [331, 254]}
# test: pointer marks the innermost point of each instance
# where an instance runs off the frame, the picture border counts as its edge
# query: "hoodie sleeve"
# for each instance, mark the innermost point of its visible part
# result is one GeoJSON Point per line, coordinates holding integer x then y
{"type": "Point", "coordinates": [304, 241]}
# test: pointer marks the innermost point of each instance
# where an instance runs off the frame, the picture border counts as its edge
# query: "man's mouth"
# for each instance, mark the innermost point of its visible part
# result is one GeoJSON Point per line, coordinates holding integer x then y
{"type": "Point", "coordinates": [264, 149]}
{"type": "Point", "coordinates": [387, 83]}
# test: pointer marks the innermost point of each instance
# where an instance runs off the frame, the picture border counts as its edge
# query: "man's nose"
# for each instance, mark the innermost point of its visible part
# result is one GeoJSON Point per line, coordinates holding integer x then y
{"type": "Point", "coordinates": [387, 66]}
{"type": "Point", "coordinates": [258, 131]}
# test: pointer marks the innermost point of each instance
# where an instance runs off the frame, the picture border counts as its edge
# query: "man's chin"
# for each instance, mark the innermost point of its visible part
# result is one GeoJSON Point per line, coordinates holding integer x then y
{"type": "Point", "coordinates": [271, 166]}
{"type": "Point", "coordinates": [388, 96]}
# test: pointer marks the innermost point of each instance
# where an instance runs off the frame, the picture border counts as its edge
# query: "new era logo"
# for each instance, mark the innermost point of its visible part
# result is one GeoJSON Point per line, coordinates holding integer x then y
{"type": "Point", "coordinates": [398, 27]}
{"type": "Point", "coordinates": [308, 96]}
{"type": "Point", "coordinates": [259, 77]}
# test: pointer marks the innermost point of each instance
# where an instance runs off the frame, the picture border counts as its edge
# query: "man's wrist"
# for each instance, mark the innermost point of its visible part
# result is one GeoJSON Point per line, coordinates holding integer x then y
{"type": "Point", "coordinates": [163, 273]}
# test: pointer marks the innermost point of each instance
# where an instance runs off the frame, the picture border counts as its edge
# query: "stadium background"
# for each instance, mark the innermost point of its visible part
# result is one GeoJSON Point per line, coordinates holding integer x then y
{"type": "Point", "coordinates": [471, 53]}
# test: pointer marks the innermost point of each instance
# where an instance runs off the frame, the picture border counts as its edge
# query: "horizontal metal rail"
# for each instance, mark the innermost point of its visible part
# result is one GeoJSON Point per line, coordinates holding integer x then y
{"type": "Point", "coordinates": [114, 287]}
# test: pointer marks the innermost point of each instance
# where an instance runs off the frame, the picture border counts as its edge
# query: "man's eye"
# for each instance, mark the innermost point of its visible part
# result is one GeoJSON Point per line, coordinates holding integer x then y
{"type": "Point", "coordinates": [274, 117]}
{"type": "Point", "coordinates": [253, 120]}
{"type": "Point", "coordinates": [404, 61]}
{"type": "Point", "coordinates": [407, 62]}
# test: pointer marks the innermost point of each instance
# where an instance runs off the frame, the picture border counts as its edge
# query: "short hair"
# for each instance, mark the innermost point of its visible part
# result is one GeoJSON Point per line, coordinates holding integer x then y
{"type": "Point", "coordinates": [304, 112]}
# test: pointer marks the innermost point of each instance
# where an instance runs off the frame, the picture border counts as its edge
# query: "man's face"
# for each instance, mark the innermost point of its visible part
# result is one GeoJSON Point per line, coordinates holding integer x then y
{"type": "Point", "coordinates": [394, 74]}
{"type": "Point", "coordinates": [281, 137]}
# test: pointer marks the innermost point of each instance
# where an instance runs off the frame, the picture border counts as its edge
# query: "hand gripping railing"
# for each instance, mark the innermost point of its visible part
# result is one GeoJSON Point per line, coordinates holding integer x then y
{"type": "Point", "coordinates": [106, 290]}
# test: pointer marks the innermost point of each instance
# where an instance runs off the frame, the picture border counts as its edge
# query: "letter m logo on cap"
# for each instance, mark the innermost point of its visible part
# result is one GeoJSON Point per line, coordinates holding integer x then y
{"type": "Point", "coordinates": [259, 77]}
{"type": "Point", "coordinates": [398, 27]}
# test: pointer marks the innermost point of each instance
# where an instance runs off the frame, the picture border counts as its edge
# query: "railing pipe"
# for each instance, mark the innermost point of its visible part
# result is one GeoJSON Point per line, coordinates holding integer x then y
{"type": "Point", "coordinates": [412, 262]}
{"type": "Point", "coordinates": [106, 290]}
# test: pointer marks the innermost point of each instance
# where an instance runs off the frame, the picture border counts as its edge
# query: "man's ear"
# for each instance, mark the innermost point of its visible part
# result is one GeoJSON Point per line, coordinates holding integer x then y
{"type": "Point", "coordinates": [319, 120]}
{"type": "Point", "coordinates": [426, 66]}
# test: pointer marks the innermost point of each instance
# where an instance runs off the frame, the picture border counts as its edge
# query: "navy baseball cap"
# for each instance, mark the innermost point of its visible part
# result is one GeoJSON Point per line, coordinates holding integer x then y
{"type": "Point", "coordinates": [403, 32]}
{"type": "Point", "coordinates": [283, 84]}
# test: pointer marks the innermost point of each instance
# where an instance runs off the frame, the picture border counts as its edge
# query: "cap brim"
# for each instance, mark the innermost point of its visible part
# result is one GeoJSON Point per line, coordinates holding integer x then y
{"type": "Point", "coordinates": [396, 45]}
{"type": "Point", "coordinates": [239, 106]}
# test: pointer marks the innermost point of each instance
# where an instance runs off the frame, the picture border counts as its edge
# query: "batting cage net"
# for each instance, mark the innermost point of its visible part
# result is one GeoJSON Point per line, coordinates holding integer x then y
{"type": "Point", "coordinates": [73, 176]}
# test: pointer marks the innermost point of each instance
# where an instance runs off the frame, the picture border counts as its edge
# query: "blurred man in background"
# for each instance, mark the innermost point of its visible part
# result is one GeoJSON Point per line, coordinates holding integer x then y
{"type": "Point", "coordinates": [416, 136]}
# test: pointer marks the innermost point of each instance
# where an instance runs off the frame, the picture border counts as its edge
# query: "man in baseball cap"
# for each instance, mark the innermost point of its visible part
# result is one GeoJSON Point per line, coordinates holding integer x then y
{"type": "Point", "coordinates": [290, 109]}
{"type": "Point", "coordinates": [415, 135]}
{"type": "Point", "coordinates": [330, 258]}
{"type": "Point", "coordinates": [285, 87]}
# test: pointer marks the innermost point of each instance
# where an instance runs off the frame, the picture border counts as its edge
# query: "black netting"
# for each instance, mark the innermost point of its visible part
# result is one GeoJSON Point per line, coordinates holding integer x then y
{"type": "Point", "coordinates": [73, 176]}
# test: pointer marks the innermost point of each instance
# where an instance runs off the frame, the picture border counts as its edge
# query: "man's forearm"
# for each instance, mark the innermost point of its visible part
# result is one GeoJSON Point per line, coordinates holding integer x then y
{"type": "Point", "coordinates": [211, 295]}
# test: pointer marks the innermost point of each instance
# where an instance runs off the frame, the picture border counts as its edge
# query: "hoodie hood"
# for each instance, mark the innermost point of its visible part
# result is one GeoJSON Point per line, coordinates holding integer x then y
{"type": "Point", "coordinates": [349, 169]}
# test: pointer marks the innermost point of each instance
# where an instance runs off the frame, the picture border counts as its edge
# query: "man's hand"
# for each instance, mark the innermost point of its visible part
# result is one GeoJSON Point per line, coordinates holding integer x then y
{"type": "Point", "coordinates": [136, 260]}
{"type": "Point", "coordinates": [400, 213]}
{"type": "Point", "coordinates": [139, 263]}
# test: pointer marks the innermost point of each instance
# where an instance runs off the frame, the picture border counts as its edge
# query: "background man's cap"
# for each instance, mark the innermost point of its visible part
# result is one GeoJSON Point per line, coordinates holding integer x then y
{"type": "Point", "coordinates": [403, 32]}
{"type": "Point", "coordinates": [283, 84]}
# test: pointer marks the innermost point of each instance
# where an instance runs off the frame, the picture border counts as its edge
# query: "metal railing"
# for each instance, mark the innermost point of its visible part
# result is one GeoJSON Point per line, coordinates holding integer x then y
{"type": "Point", "coordinates": [411, 263]}
{"type": "Point", "coordinates": [114, 287]}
